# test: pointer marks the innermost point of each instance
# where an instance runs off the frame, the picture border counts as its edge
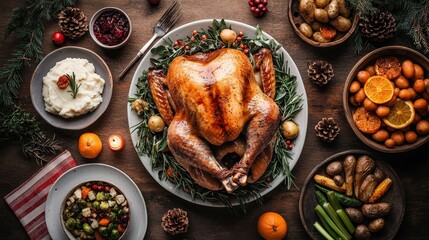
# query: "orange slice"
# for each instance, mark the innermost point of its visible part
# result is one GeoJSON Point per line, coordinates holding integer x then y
{"type": "Point", "coordinates": [379, 89]}
{"type": "Point", "coordinates": [389, 67]}
{"type": "Point", "coordinates": [401, 115]}
{"type": "Point", "coordinates": [366, 121]}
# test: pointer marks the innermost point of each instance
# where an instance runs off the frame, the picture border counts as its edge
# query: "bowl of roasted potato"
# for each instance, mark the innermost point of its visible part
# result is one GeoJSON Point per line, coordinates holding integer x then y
{"type": "Point", "coordinates": [322, 23]}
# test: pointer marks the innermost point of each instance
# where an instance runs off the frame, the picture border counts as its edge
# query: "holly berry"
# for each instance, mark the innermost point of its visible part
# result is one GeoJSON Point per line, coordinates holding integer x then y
{"type": "Point", "coordinates": [258, 7]}
{"type": "Point", "coordinates": [63, 81]}
{"type": "Point", "coordinates": [58, 38]}
{"type": "Point", "coordinates": [153, 1]}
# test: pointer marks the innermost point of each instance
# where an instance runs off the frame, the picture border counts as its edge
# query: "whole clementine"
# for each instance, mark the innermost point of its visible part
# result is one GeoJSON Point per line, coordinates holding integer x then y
{"type": "Point", "coordinates": [272, 226]}
{"type": "Point", "coordinates": [89, 145]}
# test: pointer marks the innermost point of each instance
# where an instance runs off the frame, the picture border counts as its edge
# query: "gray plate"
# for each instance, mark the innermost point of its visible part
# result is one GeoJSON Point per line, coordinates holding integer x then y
{"type": "Point", "coordinates": [43, 68]}
{"type": "Point", "coordinates": [90, 172]}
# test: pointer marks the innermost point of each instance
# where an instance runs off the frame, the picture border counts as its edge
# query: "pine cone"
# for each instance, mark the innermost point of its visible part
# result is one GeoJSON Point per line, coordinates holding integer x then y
{"type": "Point", "coordinates": [379, 27]}
{"type": "Point", "coordinates": [327, 129]}
{"type": "Point", "coordinates": [175, 221]}
{"type": "Point", "coordinates": [320, 72]}
{"type": "Point", "coordinates": [72, 22]}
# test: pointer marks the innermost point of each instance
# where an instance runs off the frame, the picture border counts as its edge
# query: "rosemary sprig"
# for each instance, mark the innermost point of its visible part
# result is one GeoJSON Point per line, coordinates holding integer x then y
{"type": "Point", "coordinates": [73, 85]}
{"type": "Point", "coordinates": [154, 145]}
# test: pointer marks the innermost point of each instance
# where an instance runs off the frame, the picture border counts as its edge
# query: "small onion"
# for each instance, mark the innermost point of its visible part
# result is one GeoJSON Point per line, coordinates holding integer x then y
{"type": "Point", "coordinates": [228, 36]}
{"type": "Point", "coordinates": [156, 124]}
{"type": "Point", "coordinates": [289, 130]}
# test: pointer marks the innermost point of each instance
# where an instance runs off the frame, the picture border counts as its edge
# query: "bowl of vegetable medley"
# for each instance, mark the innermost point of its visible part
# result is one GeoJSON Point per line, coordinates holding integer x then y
{"type": "Point", "coordinates": [95, 210]}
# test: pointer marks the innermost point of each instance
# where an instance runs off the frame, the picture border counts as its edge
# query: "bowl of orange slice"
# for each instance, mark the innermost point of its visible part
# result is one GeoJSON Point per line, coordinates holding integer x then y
{"type": "Point", "coordinates": [385, 99]}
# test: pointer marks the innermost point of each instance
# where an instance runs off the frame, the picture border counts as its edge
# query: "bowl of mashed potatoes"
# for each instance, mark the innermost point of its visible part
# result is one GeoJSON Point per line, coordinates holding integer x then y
{"type": "Point", "coordinates": [71, 88]}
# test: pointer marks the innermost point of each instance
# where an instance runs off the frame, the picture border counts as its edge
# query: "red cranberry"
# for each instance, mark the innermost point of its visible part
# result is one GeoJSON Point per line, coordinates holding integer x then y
{"type": "Point", "coordinates": [258, 7]}
{"type": "Point", "coordinates": [94, 187]}
{"type": "Point", "coordinates": [106, 189]}
{"type": "Point", "coordinates": [100, 188]}
{"type": "Point", "coordinates": [111, 27]}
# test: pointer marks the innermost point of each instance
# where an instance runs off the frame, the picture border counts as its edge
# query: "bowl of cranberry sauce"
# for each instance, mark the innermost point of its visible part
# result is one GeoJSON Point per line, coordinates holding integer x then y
{"type": "Point", "coordinates": [110, 27]}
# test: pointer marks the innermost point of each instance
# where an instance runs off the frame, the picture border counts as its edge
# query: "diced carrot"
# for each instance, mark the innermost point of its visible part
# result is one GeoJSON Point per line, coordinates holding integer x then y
{"type": "Point", "coordinates": [120, 229]}
{"type": "Point", "coordinates": [98, 236]}
{"type": "Point", "coordinates": [104, 222]}
{"type": "Point", "coordinates": [85, 191]}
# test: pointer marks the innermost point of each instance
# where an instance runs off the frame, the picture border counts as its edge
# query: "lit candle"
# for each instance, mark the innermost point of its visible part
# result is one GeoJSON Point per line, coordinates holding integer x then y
{"type": "Point", "coordinates": [116, 142]}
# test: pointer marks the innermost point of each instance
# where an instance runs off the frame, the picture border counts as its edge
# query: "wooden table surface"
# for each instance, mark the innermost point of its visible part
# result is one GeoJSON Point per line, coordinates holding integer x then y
{"type": "Point", "coordinates": [206, 222]}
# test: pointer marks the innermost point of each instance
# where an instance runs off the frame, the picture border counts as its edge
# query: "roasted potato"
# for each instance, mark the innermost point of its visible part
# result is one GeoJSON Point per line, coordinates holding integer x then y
{"type": "Point", "coordinates": [376, 225]}
{"type": "Point", "coordinates": [333, 9]}
{"type": "Point", "coordinates": [378, 174]}
{"type": "Point", "coordinates": [334, 168]}
{"type": "Point", "coordinates": [367, 188]}
{"type": "Point", "coordinates": [364, 167]}
{"type": "Point", "coordinates": [338, 180]}
{"type": "Point", "coordinates": [342, 24]}
{"type": "Point", "coordinates": [362, 232]}
{"type": "Point", "coordinates": [306, 29]}
{"type": "Point", "coordinates": [376, 210]}
{"type": "Point", "coordinates": [354, 214]}
{"type": "Point", "coordinates": [321, 3]}
{"type": "Point", "coordinates": [321, 15]}
{"type": "Point", "coordinates": [306, 9]}
{"type": "Point", "coordinates": [344, 10]}
{"type": "Point", "coordinates": [319, 38]}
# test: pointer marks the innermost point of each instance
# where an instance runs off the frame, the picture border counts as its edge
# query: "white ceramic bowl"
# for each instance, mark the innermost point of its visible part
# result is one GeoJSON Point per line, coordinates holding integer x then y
{"type": "Point", "coordinates": [94, 19]}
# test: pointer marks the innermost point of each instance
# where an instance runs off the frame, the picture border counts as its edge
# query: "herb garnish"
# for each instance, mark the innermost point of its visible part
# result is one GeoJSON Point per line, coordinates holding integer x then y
{"type": "Point", "coordinates": [154, 145]}
{"type": "Point", "coordinates": [73, 85]}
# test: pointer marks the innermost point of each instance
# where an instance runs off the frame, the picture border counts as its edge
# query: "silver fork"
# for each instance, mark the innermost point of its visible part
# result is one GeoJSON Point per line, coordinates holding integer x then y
{"type": "Point", "coordinates": [168, 19]}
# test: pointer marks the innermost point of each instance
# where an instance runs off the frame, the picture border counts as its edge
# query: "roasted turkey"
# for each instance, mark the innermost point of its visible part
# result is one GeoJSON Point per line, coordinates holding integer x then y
{"type": "Point", "coordinates": [214, 105]}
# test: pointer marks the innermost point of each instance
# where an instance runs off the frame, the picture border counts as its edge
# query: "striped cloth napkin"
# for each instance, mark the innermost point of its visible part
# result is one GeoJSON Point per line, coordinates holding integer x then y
{"type": "Point", "coordinates": [28, 200]}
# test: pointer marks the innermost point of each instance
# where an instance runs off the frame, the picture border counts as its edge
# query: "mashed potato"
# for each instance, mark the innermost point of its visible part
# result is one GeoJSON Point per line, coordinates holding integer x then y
{"type": "Point", "coordinates": [59, 101]}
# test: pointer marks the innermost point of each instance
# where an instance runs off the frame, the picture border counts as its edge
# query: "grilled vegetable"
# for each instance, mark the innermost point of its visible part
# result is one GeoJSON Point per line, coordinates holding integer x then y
{"type": "Point", "coordinates": [354, 214]}
{"type": "Point", "coordinates": [362, 232]}
{"type": "Point", "coordinates": [364, 166]}
{"type": "Point", "coordinates": [378, 174]}
{"type": "Point", "coordinates": [338, 179]}
{"type": "Point", "coordinates": [376, 210]}
{"type": "Point", "coordinates": [380, 190]}
{"type": "Point", "coordinates": [344, 200]}
{"type": "Point", "coordinates": [334, 168]}
{"type": "Point", "coordinates": [376, 225]}
{"type": "Point", "coordinates": [328, 182]}
{"type": "Point", "coordinates": [367, 188]}
{"type": "Point", "coordinates": [349, 166]}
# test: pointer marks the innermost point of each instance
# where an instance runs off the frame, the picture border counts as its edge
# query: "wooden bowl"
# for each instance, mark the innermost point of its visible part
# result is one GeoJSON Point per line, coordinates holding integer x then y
{"type": "Point", "coordinates": [296, 20]}
{"type": "Point", "coordinates": [402, 53]}
{"type": "Point", "coordinates": [394, 196]}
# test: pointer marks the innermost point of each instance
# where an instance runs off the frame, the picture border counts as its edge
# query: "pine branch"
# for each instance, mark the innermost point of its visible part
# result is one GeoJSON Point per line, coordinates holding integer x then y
{"type": "Point", "coordinates": [26, 26]}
